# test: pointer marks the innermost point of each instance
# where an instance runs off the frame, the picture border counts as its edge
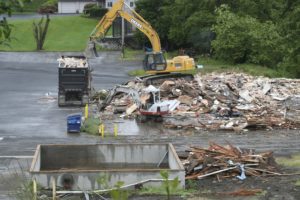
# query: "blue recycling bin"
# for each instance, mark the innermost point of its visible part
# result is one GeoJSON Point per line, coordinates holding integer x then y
{"type": "Point", "coordinates": [74, 123]}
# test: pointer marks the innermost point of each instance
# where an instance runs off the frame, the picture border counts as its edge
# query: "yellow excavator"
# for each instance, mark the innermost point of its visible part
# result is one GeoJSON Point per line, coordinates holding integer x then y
{"type": "Point", "coordinates": [154, 62]}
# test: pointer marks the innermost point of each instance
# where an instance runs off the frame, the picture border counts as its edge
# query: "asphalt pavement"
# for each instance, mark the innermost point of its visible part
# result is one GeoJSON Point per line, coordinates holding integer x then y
{"type": "Point", "coordinates": [29, 114]}
{"type": "Point", "coordinates": [21, 16]}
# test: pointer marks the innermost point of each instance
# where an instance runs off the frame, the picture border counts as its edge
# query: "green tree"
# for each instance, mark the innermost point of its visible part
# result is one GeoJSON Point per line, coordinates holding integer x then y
{"type": "Point", "coordinates": [5, 31]}
{"type": "Point", "coordinates": [154, 11]}
{"type": "Point", "coordinates": [7, 6]}
{"type": "Point", "coordinates": [244, 39]}
{"type": "Point", "coordinates": [290, 26]}
{"type": "Point", "coordinates": [40, 30]}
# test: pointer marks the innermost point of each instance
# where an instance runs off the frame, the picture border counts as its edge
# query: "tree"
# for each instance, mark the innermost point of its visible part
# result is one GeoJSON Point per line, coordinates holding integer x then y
{"type": "Point", "coordinates": [262, 32]}
{"type": "Point", "coordinates": [40, 30]}
{"type": "Point", "coordinates": [243, 39]}
{"type": "Point", "coordinates": [5, 30]}
{"type": "Point", "coordinates": [154, 12]}
{"type": "Point", "coordinates": [6, 6]}
{"type": "Point", "coordinates": [290, 27]}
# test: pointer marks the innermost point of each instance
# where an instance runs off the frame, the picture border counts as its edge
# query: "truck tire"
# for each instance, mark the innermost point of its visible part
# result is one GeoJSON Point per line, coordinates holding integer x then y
{"type": "Point", "coordinates": [61, 100]}
{"type": "Point", "coordinates": [85, 100]}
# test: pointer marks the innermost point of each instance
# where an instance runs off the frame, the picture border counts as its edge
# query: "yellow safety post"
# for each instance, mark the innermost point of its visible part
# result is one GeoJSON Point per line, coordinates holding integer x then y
{"type": "Point", "coordinates": [86, 111]}
{"type": "Point", "coordinates": [116, 130]}
{"type": "Point", "coordinates": [101, 130]}
{"type": "Point", "coordinates": [34, 189]}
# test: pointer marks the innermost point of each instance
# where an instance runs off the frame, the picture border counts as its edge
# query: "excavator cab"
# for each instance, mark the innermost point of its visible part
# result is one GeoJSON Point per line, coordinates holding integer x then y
{"type": "Point", "coordinates": [154, 62]}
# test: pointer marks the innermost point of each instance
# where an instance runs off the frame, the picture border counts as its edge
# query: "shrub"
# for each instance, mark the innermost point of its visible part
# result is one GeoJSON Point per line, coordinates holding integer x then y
{"type": "Point", "coordinates": [93, 10]}
{"type": "Point", "coordinates": [88, 7]}
{"type": "Point", "coordinates": [48, 7]}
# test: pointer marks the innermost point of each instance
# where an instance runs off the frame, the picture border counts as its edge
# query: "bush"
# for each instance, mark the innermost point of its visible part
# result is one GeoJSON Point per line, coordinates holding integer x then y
{"type": "Point", "coordinates": [48, 7]}
{"type": "Point", "coordinates": [88, 7]}
{"type": "Point", "coordinates": [91, 126]}
{"type": "Point", "coordinates": [93, 10]}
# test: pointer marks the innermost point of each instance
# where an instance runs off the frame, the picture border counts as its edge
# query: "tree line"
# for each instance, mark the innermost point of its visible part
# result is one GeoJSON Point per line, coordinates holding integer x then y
{"type": "Point", "coordinates": [264, 32]}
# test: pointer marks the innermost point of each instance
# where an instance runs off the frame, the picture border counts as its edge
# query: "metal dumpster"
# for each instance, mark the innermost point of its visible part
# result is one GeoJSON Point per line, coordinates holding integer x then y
{"type": "Point", "coordinates": [74, 123]}
{"type": "Point", "coordinates": [80, 167]}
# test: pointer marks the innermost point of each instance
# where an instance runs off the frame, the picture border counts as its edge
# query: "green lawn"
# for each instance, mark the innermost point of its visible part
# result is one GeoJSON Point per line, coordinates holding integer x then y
{"type": "Point", "coordinates": [213, 65]}
{"type": "Point", "coordinates": [65, 34]}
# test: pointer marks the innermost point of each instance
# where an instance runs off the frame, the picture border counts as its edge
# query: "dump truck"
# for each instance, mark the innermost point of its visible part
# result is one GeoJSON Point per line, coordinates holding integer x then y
{"type": "Point", "coordinates": [74, 81]}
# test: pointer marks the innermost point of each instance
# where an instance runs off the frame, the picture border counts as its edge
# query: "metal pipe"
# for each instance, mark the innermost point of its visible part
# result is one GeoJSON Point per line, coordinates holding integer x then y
{"type": "Point", "coordinates": [107, 190]}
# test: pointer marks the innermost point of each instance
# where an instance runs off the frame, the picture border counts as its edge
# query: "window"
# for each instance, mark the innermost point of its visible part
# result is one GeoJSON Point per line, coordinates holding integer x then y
{"type": "Point", "coordinates": [109, 4]}
{"type": "Point", "coordinates": [131, 4]}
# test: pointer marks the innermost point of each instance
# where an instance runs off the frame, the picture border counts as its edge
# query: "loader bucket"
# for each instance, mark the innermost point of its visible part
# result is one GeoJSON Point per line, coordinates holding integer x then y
{"type": "Point", "coordinates": [91, 51]}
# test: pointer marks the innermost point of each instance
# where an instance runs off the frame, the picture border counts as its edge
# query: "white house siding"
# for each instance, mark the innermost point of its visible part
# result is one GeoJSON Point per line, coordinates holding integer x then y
{"type": "Point", "coordinates": [76, 6]}
{"type": "Point", "coordinates": [72, 6]}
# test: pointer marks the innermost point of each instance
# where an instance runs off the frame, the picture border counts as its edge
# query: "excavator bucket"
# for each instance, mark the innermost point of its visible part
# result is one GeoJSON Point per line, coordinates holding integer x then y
{"type": "Point", "coordinates": [91, 51]}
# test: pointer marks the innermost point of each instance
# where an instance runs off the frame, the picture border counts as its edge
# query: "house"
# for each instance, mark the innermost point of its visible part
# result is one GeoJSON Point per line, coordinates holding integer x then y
{"type": "Point", "coordinates": [76, 6]}
{"type": "Point", "coordinates": [109, 3]}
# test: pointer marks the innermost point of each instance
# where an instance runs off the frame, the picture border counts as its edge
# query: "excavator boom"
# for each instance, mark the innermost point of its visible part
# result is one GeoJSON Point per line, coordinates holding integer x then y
{"type": "Point", "coordinates": [154, 62]}
{"type": "Point", "coordinates": [118, 9]}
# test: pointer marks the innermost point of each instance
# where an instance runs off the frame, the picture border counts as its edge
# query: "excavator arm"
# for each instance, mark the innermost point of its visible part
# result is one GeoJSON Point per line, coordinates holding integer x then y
{"type": "Point", "coordinates": [136, 20]}
{"type": "Point", "coordinates": [153, 60]}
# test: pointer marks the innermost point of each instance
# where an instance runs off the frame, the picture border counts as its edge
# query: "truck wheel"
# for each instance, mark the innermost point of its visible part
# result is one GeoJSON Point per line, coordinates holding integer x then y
{"type": "Point", "coordinates": [85, 99]}
{"type": "Point", "coordinates": [61, 100]}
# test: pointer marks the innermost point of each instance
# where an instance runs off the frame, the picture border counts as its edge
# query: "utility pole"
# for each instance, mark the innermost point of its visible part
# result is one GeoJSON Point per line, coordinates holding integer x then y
{"type": "Point", "coordinates": [123, 37]}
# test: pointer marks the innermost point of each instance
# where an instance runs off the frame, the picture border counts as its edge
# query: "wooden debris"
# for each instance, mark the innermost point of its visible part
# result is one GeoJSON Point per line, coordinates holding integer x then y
{"type": "Point", "coordinates": [228, 101]}
{"type": "Point", "coordinates": [228, 160]}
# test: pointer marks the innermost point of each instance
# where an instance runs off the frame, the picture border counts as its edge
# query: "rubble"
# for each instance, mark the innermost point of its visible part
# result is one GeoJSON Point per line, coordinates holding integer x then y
{"type": "Point", "coordinates": [230, 101]}
{"type": "Point", "coordinates": [227, 161]}
{"type": "Point", "coordinates": [72, 62]}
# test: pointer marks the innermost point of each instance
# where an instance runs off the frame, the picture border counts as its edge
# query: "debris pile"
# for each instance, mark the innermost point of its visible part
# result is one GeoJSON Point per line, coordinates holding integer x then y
{"type": "Point", "coordinates": [227, 161]}
{"type": "Point", "coordinates": [227, 101]}
{"type": "Point", "coordinates": [292, 105]}
{"type": "Point", "coordinates": [72, 62]}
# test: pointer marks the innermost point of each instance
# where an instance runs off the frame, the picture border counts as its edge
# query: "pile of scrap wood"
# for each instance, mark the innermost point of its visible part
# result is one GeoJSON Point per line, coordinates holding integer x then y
{"type": "Point", "coordinates": [227, 161]}
{"type": "Point", "coordinates": [230, 101]}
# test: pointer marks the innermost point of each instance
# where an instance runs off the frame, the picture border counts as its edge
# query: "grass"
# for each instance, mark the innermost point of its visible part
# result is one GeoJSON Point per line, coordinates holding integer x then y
{"type": "Point", "coordinates": [293, 161]}
{"type": "Point", "coordinates": [130, 54]}
{"type": "Point", "coordinates": [212, 65]}
{"type": "Point", "coordinates": [137, 72]}
{"type": "Point", "coordinates": [91, 126]}
{"type": "Point", "coordinates": [161, 191]}
{"type": "Point", "coordinates": [67, 33]}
